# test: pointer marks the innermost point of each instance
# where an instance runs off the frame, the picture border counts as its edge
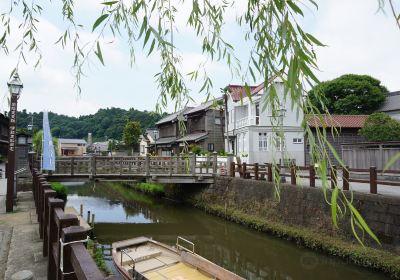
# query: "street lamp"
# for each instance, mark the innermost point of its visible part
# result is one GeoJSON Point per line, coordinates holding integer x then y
{"type": "Point", "coordinates": [15, 87]}
{"type": "Point", "coordinates": [282, 113]}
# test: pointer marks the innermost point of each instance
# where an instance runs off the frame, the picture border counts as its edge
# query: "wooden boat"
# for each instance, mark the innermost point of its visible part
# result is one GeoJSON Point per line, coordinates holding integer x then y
{"type": "Point", "coordinates": [143, 258]}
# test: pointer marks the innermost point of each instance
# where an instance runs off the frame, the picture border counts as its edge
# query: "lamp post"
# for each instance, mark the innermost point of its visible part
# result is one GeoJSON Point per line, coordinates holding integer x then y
{"type": "Point", "coordinates": [282, 113]}
{"type": "Point", "coordinates": [15, 87]}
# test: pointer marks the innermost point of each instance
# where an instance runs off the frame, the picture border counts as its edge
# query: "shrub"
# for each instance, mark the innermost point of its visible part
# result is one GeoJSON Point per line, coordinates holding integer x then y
{"type": "Point", "coordinates": [152, 188]}
{"type": "Point", "coordinates": [60, 190]}
{"type": "Point", "coordinates": [196, 149]}
{"type": "Point", "coordinates": [381, 127]}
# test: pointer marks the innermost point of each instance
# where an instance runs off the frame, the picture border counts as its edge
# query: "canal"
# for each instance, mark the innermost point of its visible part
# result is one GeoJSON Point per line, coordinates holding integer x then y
{"type": "Point", "coordinates": [122, 213]}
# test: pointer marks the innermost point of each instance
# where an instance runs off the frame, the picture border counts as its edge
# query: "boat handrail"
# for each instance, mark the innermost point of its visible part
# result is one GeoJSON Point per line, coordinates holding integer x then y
{"type": "Point", "coordinates": [181, 247]}
{"type": "Point", "coordinates": [124, 251]}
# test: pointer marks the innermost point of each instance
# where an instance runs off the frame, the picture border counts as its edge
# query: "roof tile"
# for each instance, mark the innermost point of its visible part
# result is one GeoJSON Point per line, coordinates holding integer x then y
{"type": "Point", "coordinates": [339, 121]}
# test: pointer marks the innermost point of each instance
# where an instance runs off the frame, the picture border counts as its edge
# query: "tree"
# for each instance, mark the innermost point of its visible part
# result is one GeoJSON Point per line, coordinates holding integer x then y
{"type": "Point", "coordinates": [380, 127]}
{"type": "Point", "coordinates": [280, 50]}
{"type": "Point", "coordinates": [349, 94]}
{"type": "Point", "coordinates": [131, 134]}
{"type": "Point", "coordinates": [37, 142]}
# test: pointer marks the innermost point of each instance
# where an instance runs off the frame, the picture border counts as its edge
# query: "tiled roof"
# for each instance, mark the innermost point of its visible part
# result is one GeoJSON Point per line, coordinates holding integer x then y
{"type": "Point", "coordinates": [71, 141]}
{"type": "Point", "coordinates": [238, 92]}
{"type": "Point", "coordinates": [174, 116]}
{"type": "Point", "coordinates": [339, 121]}
{"type": "Point", "coordinates": [203, 106]}
{"type": "Point", "coordinates": [392, 102]}
{"type": "Point", "coordinates": [193, 137]}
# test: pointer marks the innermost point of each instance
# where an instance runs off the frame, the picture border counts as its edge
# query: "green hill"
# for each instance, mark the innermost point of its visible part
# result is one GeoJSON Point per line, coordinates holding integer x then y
{"type": "Point", "coordinates": [104, 123]}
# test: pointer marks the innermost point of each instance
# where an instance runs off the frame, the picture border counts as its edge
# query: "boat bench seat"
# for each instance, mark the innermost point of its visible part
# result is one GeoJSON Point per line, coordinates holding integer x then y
{"type": "Point", "coordinates": [137, 256]}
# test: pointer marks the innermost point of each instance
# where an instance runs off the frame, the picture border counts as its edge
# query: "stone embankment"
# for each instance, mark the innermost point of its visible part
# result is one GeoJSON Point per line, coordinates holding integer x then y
{"type": "Point", "coordinates": [303, 215]}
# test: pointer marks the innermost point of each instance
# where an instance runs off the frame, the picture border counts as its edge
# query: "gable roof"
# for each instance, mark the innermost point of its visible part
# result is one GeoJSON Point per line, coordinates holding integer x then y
{"type": "Point", "coordinates": [238, 92]}
{"type": "Point", "coordinates": [71, 141]}
{"type": "Point", "coordinates": [203, 107]}
{"type": "Point", "coordinates": [391, 103]}
{"type": "Point", "coordinates": [339, 121]}
{"type": "Point", "coordinates": [174, 116]}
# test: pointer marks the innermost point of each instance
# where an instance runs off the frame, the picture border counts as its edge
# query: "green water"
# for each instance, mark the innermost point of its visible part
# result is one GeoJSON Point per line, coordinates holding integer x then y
{"type": "Point", "coordinates": [122, 214]}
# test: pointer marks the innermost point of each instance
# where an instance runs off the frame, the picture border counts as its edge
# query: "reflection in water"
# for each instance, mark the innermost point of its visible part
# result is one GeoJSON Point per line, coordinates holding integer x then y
{"type": "Point", "coordinates": [122, 213]}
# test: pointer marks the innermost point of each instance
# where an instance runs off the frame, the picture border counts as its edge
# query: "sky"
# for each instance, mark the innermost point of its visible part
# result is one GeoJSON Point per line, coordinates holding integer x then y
{"type": "Point", "coordinates": [359, 38]}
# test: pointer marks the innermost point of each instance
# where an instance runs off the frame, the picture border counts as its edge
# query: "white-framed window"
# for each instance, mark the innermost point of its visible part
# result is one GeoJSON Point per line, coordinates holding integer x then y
{"type": "Point", "coordinates": [297, 140]}
{"type": "Point", "coordinates": [262, 141]}
{"type": "Point", "coordinates": [280, 144]}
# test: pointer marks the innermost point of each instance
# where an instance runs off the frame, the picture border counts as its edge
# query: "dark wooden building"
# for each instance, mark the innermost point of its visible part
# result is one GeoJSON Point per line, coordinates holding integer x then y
{"type": "Point", "coordinates": [347, 127]}
{"type": "Point", "coordinates": [204, 127]}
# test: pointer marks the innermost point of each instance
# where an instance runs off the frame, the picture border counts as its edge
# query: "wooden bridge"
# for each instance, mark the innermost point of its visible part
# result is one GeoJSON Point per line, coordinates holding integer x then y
{"type": "Point", "coordinates": [175, 169]}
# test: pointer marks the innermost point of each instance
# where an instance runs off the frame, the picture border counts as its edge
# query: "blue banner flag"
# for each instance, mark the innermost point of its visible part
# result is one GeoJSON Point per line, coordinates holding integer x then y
{"type": "Point", "coordinates": [49, 159]}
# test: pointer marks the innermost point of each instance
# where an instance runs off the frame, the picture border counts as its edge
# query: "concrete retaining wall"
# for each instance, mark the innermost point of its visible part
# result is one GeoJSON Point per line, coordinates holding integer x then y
{"type": "Point", "coordinates": [303, 206]}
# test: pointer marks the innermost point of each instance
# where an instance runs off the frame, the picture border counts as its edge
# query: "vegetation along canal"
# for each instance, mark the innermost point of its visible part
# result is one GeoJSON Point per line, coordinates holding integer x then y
{"type": "Point", "coordinates": [122, 213]}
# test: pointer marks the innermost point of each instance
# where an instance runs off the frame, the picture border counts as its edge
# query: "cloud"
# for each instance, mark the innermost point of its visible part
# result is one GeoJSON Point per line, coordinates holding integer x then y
{"type": "Point", "coordinates": [360, 40]}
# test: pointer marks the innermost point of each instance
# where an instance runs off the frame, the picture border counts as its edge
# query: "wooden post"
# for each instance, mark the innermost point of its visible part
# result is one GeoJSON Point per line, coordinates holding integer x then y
{"type": "Point", "coordinates": [92, 223]}
{"type": "Point", "coordinates": [81, 211]}
{"type": "Point", "coordinates": [232, 168]}
{"type": "Point", "coordinates": [229, 160]}
{"type": "Point", "coordinates": [88, 217]}
{"type": "Point", "coordinates": [240, 170]}
{"type": "Point", "coordinates": [120, 166]}
{"type": "Point", "coordinates": [52, 234]}
{"type": "Point", "coordinates": [333, 177]}
{"type": "Point", "coordinates": [256, 171]}
{"type": "Point", "coordinates": [47, 195]}
{"type": "Point", "coordinates": [147, 165]}
{"type": "Point", "coordinates": [177, 163]}
{"type": "Point", "coordinates": [346, 178]}
{"type": "Point", "coordinates": [170, 163]}
{"type": "Point", "coordinates": [44, 186]}
{"type": "Point", "coordinates": [373, 177]}
{"type": "Point", "coordinates": [192, 163]}
{"type": "Point", "coordinates": [244, 169]}
{"type": "Point", "coordinates": [72, 166]}
{"type": "Point", "coordinates": [77, 260]}
{"type": "Point", "coordinates": [93, 166]}
{"type": "Point", "coordinates": [208, 163]}
{"type": "Point", "coordinates": [293, 174]}
{"type": "Point", "coordinates": [215, 163]}
{"type": "Point", "coordinates": [312, 175]}
{"type": "Point", "coordinates": [269, 166]}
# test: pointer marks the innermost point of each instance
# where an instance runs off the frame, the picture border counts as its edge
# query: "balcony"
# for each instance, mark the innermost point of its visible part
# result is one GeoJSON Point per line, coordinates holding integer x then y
{"type": "Point", "coordinates": [247, 121]}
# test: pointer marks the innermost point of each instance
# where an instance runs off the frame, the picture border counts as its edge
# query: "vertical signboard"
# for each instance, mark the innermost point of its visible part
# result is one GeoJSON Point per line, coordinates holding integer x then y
{"type": "Point", "coordinates": [48, 162]}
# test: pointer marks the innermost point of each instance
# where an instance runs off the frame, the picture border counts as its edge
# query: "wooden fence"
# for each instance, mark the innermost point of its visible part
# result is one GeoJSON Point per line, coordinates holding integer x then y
{"type": "Point", "coordinates": [364, 155]}
{"type": "Point", "coordinates": [265, 172]}
{"type": "Point", "coordinates": [63, 239]}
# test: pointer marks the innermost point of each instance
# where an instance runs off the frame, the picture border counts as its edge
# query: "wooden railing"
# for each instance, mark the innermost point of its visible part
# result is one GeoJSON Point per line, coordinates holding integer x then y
{"type": "Point", "coordinates": [188, 164]}
{"type": "Point", "coordinates": [265, 172]}
{"type": "Point", "coordinates": [63, 239]}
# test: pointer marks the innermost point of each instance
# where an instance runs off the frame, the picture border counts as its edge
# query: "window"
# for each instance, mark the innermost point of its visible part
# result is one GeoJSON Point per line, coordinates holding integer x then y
{"type": "Point", "coordinates": [257, 113]}
{"type": "Point", "coordinates": [279, 144]}
{"type": "Point", "coordinates": [210, 147]}
{"type": "Point", "coordinates": [217, 120]}
{"type": "Point", "coordinates": [262, 142]}
{"type": "Point", "coordinates": [297, 140]}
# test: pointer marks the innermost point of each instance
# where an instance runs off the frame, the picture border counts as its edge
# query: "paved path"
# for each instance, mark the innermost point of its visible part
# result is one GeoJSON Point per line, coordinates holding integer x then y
{"type": "Point", "coordinates": [20, 245]}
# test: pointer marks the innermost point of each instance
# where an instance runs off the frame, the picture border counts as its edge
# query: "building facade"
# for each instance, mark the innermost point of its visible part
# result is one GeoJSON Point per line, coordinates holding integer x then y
{"type": "Point", "coordinates": [254, 134]}
{"type": "Point", "coordinates": [4, 135]}
{"type": "Point", "coordinates": [391, 105]}
{"type": "Point", "coordinates": [203, 127]}
{"type": "Point", "coordinates": [71, 147]}
{"type": "Point", "coordinates": [340, 129]}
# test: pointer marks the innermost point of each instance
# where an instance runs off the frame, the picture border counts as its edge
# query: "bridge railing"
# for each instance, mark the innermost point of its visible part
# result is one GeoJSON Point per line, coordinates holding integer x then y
{"type": "Point", "coordinates": [63, 239]}
{"type": "Point", "coordinates": [187, 164]}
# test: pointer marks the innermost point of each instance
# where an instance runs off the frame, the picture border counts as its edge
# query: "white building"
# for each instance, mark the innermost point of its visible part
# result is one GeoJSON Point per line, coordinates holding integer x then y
{"type": "Point", "coordinates": [252, 132]}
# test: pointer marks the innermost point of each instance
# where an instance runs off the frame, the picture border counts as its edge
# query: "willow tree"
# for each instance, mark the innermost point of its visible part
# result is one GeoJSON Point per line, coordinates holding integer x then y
{"type": "Point", "coordinates": [280, 50]}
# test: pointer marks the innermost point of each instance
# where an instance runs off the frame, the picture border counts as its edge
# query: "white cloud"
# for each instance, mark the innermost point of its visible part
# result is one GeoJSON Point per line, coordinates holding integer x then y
{"type": "Point", "coordinates": [360, 40]}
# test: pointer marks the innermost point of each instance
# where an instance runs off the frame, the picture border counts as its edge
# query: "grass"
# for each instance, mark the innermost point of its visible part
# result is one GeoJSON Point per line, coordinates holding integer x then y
{"type": "Point", "coordinates": [353, 252]}
{"type": "Point", "coordinates": [60, 190]}
{"type": "Point", "coordinates": [150, 188]}
{"type": "Point", "coordinates": [98, 257]}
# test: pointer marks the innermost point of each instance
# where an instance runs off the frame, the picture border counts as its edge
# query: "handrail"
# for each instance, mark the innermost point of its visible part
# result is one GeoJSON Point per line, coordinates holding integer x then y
{"type": "Point", "coordinates": [123, 251]}
{"type": "Point", "coordinates": [181, 247]}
